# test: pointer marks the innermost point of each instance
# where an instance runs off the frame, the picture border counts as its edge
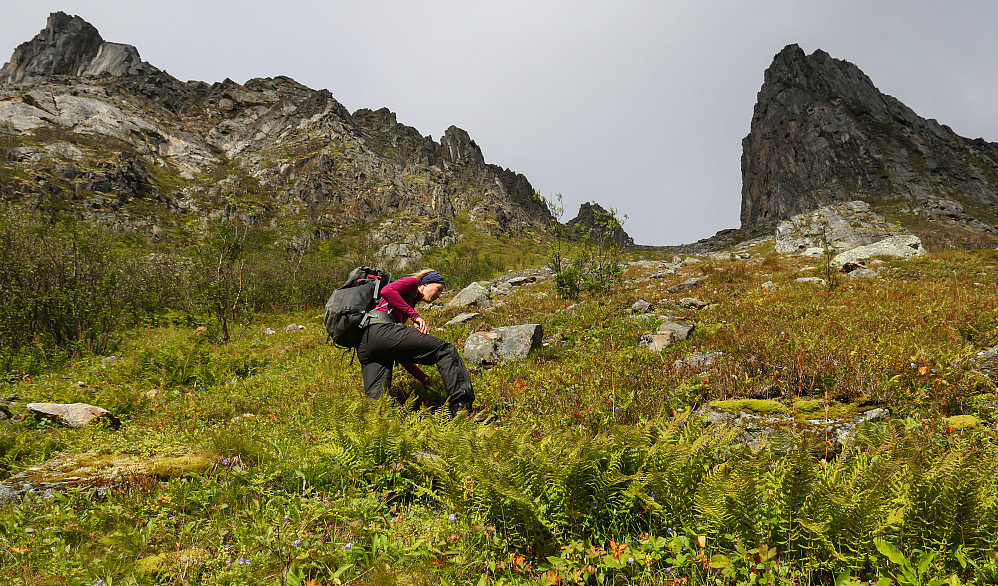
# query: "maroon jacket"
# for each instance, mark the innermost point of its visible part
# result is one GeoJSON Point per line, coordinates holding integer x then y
{"type": "Point", "coordinates": [393, 301]}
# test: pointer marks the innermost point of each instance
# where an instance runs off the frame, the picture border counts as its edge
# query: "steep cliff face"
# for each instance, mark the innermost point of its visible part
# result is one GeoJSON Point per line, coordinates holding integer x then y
{"type": "Point", "coordinates": [822, 133]}
{"type": "Point", "coordinates": [269, 149]}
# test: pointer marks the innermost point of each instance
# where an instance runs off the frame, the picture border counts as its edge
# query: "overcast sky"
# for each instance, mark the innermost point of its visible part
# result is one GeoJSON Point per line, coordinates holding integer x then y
{"type": "Point", "coordinates": [638, 105]}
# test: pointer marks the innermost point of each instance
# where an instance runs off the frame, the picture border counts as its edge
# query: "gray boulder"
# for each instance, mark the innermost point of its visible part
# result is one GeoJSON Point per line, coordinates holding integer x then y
{"type": "Point", "coordinates": [510, 343]}
{"type": "Point", "coordinates": [73, 414]}
{"type": "Point", "coordinates": [474, 295]}
{"type": "Point", "coordinates": [770, 286]}
{"type": "Point", "coordinates": [461, 318]}
{"type": "Point", "coordinates": [987, 362]}
{"type": "Point", "coordinates": [667, 334]}
{"type": "Point", "coordinates": [812, 280]}
{"type": "Point", "coordinates": [698, 362]}
{"type": "Point", "coordinates": [687, 285]}
{"type": "Point", "coordinates": [898, 246]}
{"type": "Point", "coordinates": [840, 227]}
{"type": "Point", "coordinates": [640, 306]}
{"type": "Point", "coordinates": [693, 303]}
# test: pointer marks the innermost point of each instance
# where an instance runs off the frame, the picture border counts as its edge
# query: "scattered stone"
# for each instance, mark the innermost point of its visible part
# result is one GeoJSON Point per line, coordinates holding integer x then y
{"type": "Point", "coordinates": [510, 343]}
{"type": "Point", "coordinates": [693, 303]}
{"type": "Point", "coordinates": [520, 281]}
{"type": "Point", "coordinates": [813, 280]}
{"type": "Point", "coordinates": [759, 426]}
{"type": "Point", "coordinates": [461, 318]}
{"type": "Point", "coordinates": [663, 274]}
{"type": "Point", "coordinates": [473, 295]}
{"type": "Point", "coordinates": [863, 273]}
{"type": "Point", "coordinates": [770, 286]}
{"type": "Point", "coordinates": [5, 414]}
{"type": "Point", "coordinates": [293, 328]}
{"type": "Point", "coordinates": [80, 384]}
{"type": "Point", "coordinates": [73, 414]}
{"type": "Point", "coordinates": [641, 306]}
{"type": "Point", "coordinates": [152, 393]}
{"type": "Point", "coordinates": [667, 334]}
{"type": "Point", "coordinates": [268, 330]}
{"type": "Point", "coordinates": [898, 246]}
{"type": "Point", "coordinates": [502, 289]}
{"type": "Point", "coordinates": [698, 362]}
{"type": "Point", "coordinates": [687, 285]}
{"type": "Point", "coordinates": [986, 361]}
{"type": "Point", "coordinates": [109, 361]}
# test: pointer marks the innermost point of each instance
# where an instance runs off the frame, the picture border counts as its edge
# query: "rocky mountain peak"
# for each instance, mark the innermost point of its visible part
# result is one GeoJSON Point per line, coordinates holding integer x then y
{"type": "Point", "coordinates": [596, 223]}
{"type": "Point", "coordinates": [823, 133]}
{"type": "Point", "coordinates": [69, 45]}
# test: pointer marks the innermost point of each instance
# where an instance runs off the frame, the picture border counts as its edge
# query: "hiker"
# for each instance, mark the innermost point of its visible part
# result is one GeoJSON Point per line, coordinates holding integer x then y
{"type": "Point", "coordinates": [386, 340]}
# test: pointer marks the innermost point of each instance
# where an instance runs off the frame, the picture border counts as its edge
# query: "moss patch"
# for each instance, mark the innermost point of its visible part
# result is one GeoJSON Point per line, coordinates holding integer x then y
{"type": "Point", "coordinates": [180, 466]}
{"type": "Point", "coordinates": [751, 405]}
{"type": "Point", "coordinates": [961, 422]}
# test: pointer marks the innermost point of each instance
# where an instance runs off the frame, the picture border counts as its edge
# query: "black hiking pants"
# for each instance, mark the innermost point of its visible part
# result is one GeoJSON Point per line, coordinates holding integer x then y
{"type": "Point", "coordinates": [382, 345]}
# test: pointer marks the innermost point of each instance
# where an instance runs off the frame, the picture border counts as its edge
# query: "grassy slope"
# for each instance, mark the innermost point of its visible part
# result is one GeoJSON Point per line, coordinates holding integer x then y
{"type": "Point", "coordinates": [595, 445]}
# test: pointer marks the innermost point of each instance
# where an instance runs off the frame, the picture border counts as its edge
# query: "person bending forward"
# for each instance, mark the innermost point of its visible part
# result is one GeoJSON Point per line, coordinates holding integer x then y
{"type": "Point", "coordinates": [386, 340]}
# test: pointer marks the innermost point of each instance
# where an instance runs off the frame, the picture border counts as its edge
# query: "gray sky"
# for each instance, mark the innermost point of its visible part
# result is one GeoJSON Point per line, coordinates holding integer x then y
{"type": "Point", "coordinates": [638, 105]}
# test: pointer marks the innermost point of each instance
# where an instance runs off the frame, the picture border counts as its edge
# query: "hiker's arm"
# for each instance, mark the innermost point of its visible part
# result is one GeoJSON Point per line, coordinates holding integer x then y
{"type": "Point", "coordinates": [415, 372]}
{"type": "Point", "coordinates": [393, 295]}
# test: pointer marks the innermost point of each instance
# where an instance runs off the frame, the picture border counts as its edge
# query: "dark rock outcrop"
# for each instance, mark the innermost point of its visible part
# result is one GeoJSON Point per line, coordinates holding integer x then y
{"type": "Point", "coordinates": [598, 224]}
{"type": "Point", "coordinates": [69, 45]}
{"type": "Point", "coordinates": [822, 133]}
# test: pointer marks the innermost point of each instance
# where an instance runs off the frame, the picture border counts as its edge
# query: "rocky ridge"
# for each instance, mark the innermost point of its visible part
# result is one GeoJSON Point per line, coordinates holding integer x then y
{"type": "Point", "coordinates": [822, 133]}
{"type": "Point", "coordinates": [96, 131]}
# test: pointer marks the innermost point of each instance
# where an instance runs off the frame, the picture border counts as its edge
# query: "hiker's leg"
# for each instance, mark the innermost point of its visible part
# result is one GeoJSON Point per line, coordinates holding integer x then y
{"type": "Point", "coordinates": [405, 344]}
{"type": "Point", "coordinates": [375, 366]}
{"type": "Point", "coordinates": [377, 376]}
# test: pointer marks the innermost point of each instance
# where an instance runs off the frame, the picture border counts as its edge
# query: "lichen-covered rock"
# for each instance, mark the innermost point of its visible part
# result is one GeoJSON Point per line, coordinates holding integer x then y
{"type": "Point", "coordinates": [897, 246]}
{"type": "Point", "coordinates": [986, 361]}
{"type": "Point", "coordinates": [508, 343]}
{"type": "Point", "coordinates": [461, 318]}
{"type": "Point", "coordinates": [73, 414]}
{"type": "Point", "coordinates": [640, 306]}
{"type": "Point", "coordinates": [474, 295]}
{"type": "Point", "coordinates": [698, 362]}
{"type": "Point", "coordinates": [687, 284]}
{"type": "Point", "coordinates": [837, 227]}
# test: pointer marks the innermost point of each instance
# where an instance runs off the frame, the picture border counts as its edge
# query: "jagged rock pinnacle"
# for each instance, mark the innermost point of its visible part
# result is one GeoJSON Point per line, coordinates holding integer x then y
{"type": "Point", "coordinates": [823, 133]}
{"type": "Point", "coordinates": [69, 45]}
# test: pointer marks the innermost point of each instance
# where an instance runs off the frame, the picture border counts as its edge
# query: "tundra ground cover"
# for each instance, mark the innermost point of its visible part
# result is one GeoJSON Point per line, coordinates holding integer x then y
{"type": "Point", "coordinates": [598, 469]}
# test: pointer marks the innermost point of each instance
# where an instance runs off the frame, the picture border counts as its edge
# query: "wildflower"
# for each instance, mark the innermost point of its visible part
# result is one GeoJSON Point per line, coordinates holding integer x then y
{"type": "Point", "coordinates": [835, 363]}
{"type": "Point", "coordinates": [228, 560]}
{"type": "Point", "coordinates": [99, 582]}
{"type": "Point", "coordinates": [242, 560]}
{"type": "Point", "coordinates": [297, 543]}
{"type": "Point", "coordinates": [226, 546]}
{"type": "Point", "coordinates": [595, 506]}
{"type": "Point", "coordinates": [225, 462]}
{"type": "Point", "coordinates": [348, 546]}
{"type": "Point", "coordinates": [286, 517]}
{"type": "Point", "coordinates": [933, 371]}
{"type": "Point", "coordinates": [668, 569]}
{"type": "Point", "coordinates": [630, 561]}
{"type": "Point", "coordinates": [913, 365]}
{"type": "Point", "coordinates": [616, 409]}
{"type": "Point", "coordinates": [669, 531]}
{"type": "Point", "coordinates": [452, 517]}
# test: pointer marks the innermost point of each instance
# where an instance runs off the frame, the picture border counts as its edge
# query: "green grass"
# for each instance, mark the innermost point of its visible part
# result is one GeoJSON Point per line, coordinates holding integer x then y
{"type": "Point", "coordinates": [597, 455]}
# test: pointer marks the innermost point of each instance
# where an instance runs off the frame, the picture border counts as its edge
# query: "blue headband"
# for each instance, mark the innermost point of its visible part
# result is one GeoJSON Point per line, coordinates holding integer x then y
{"type": "Point", "coordinates": [432, 277]}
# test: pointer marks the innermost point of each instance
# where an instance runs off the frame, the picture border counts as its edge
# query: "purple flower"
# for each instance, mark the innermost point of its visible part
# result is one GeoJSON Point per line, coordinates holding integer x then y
{"type": "Point", "coordinates": [225, 462]}
{"type": "Point", "coordinates": [228, 560]}
{"type": "Point", "coordinates": [348, 546]}
{"type": "Point", "coordinates": [452, 517]}
{"type": "Point", "coordinates": [933, 370]}
{"type": "Point", "coordinates": [286, 517]}
{"type": "Point", "coordinates": [242, 560]}
{"type": "Point", "coordinates": [297, 543]}
{"type": "Point", "coordinates": [99, 583]}
{"type": "Point", "coordinates": [595, 506]}
{"type": "Point", "coordinates": [835, 362]}
{"type": "Point", "coordinates": [226, 546]}
{"type": "Point", "coordinates": [669, 531]}
{"type": "Point", "coordinates": [913, 365]}
{"type": "Point", "coordinates": [668, 569]}
{"type": "Point", "coordinates": [630, 561]}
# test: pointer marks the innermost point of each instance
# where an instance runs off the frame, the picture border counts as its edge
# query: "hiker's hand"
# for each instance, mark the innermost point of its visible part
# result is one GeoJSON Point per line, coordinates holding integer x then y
{"type": "Point", "coordinates": [421, 325]}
